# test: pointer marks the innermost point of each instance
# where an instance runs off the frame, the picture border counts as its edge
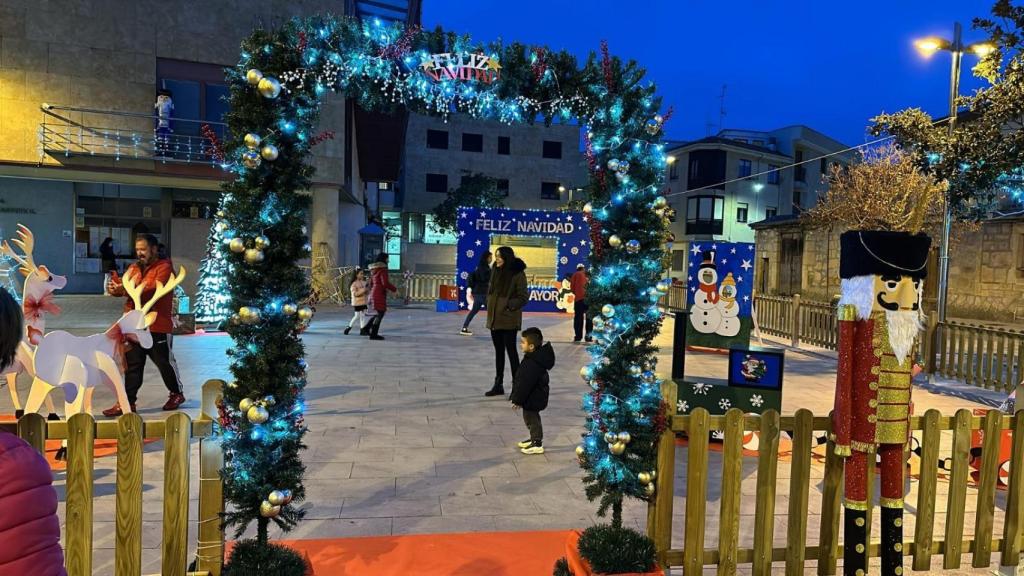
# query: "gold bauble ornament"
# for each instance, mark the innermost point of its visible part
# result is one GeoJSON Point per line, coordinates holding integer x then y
{"type": "Point", "coordinates": [580, 450]}
{"type": "Point", "coordinates": [588, 208]}
{"type": "Point", "coordinates": [649, 489]}
{"type": "Point", "coordinates": [245, 404]}
{"type": "Point", "coordinates": [261, 242]}
{"type": "Point", "coordinates": [276, 498]}
{"type": "Point", "coordinates": [614, 241]}
{"type": "Point", "coordinates": [269, 87]}
{"type": "Point", "coordinates": [654, 474]}
{"type": "Point", "coordinates": [617, 449]}
{"type": "Point", "coordinates": [611, 437]}
{"type": "Point", "coordinates": [269, 152]}
{"type": "Point", "coordinates": [289, 309]}
{"type": "Point", "coordinates": [305, 313]}
{"type": "Point", "coordinates": [252, 141]}
{"type": "Point", "coordinates": [253, 255]}
{"type": "Point", "coordinates": [251, 159]}
{"type": "Point", "coordinates": [237, 245]}
{"type": "Point", "coordinates": [268, 510]}
{"type": "Point", "coordinates": [659, 202]}
{"type": "Point", "coordinates": [235, 319]}
{"type": "Point", "coordinates": [257, 414]}
{"type": "Point", "coordinates": [644, 478]}
{"type": "Point", "coordinates": [624, 437]}
{"type": "Point", "coordinates": [253, 76]}
{"type": "Point", "coordinates": [220, 214]}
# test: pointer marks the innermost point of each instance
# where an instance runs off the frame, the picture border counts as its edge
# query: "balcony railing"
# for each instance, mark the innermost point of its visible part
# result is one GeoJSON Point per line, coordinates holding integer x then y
{"type": "Point", "coordinates": [69, 131]}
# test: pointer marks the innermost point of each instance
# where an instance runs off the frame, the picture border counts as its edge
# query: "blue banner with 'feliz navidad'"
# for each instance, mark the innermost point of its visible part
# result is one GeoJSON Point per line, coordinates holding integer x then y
{"type": "Point", "coordinates": [569, 229]}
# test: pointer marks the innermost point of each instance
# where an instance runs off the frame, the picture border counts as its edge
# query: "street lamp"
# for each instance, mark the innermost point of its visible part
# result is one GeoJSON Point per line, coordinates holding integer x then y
{"type": "Point", "coordinates": [928, 47]}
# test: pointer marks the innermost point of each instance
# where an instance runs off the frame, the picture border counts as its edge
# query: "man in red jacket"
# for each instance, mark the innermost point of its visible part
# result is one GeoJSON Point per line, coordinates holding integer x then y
{"type": "Point", "coordinates": [578, 284]}
{"type": "Point", "coordinates": [147, 272]}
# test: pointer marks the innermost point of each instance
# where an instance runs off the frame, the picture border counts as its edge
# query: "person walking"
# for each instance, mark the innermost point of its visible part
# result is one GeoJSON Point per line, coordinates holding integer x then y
{"type": "Point", "coordinates": [506, 297]}
{"type": "Point", "coordinates": [378, 293]}
{"type": "Point", "coordinates": [530, 387]}
{"type": "Point", "coordinates": [358, 289]}
{"type": "Point", "coordinates": [581, 311]}
{"type": "Point", "coordinates": [108, 260]}
{"type": "Point", "coordinates": [146, 273]}
{"type": "Point", "coordinates": [478, 283]}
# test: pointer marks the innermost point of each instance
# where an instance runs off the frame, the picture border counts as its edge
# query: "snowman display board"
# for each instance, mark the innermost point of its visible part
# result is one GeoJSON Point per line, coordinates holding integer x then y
{"type": "Point", "coordinates": [720, 283]}
{"type": "Point", "coordinates": [476, 226]}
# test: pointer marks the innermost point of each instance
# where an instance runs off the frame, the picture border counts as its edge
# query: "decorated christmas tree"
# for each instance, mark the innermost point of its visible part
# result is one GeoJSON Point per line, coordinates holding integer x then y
{"type": "Point", "coordinates": [213, 301]}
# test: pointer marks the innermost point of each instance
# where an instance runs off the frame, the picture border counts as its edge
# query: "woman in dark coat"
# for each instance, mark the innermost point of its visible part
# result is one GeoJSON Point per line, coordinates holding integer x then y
{"type": "Point", "coordinates": [479, 282]}
{"type": "Point", "coordinates": [378, 296]}
{"type": "Point", "coordinates": [108, 259]}
{"type": "Point", "coordinates": [506, 297]}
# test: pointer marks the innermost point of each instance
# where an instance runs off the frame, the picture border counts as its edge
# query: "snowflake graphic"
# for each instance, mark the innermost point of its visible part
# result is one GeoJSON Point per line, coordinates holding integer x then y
{"type": "Point", "coordinates": [701, 388]}
{"type": "Point", "coordinates": [683, 406]}
{"type": "Point", "coordinates": [464, 275]}
{"type": "Point", "coordinates": [470, 253]}
{"type": "Point", "coordinates": [724, 404]}
{"type": "Point", "coordinates": [756, 400]}
{"type": "Point", "coordinates": [717, 435]}
{"type": "Point", "coordinates": [575, 250]}
{"type": "Point", "coordinates": [564, 260]}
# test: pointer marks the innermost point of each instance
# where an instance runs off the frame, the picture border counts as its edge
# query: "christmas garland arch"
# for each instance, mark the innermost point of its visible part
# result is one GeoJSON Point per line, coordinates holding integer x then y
{"type": "Point", "coordinates": [276, 89]}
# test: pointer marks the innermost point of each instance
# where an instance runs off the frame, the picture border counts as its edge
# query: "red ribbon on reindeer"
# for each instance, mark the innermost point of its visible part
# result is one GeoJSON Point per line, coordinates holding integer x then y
{"type": "Point", "coordinates": [33, 308]}
{"type": "Point", "coordinates": [120, 345]}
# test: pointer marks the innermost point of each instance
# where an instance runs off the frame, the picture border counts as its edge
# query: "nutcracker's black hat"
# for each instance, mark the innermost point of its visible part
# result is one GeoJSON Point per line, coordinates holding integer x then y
{"type": "Point", "coordinates": [876, 252]}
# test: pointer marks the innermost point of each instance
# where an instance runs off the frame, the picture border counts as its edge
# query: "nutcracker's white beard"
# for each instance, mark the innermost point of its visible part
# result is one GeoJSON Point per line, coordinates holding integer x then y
{"type": "Point", "coordinates": [904, 325]}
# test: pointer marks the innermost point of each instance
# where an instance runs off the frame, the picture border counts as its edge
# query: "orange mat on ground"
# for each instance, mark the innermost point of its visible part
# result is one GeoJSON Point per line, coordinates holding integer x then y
{"type": "Point", "coordinates": [469, 554]}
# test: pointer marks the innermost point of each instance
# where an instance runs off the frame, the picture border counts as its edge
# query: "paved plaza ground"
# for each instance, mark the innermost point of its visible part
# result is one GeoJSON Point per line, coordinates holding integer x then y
{"type": "Point", "coordinates": [403, 441]}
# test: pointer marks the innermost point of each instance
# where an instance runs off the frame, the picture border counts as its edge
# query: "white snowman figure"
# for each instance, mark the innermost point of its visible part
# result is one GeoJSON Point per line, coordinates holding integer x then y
{"type": "Point", "coordinates": [704, 315]}
{"type": "Point", "coordinates": [728, 307]}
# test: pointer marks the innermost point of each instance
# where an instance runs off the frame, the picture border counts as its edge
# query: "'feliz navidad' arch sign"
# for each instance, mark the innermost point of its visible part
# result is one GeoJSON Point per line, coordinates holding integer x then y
{"type": "Point", "coordinates": [276, 90]}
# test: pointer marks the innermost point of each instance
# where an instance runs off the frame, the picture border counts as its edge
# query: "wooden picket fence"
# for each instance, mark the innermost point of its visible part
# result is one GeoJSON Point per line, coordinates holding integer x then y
{"type": "Point", "coordinates": [131, 432]}
{"type": "Point", "coordinates": [986, 357]}
{"type": "Point", "coordinates": [804, 426]}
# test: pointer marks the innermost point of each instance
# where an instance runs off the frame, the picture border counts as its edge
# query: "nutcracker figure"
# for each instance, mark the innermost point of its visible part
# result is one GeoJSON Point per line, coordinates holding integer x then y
{"type": "Point", "coordinates": [882, 276]}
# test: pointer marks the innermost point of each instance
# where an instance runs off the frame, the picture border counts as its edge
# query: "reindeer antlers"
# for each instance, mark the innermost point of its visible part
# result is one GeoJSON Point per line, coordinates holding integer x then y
{"type": "Point", "coordinates": [26, 241]}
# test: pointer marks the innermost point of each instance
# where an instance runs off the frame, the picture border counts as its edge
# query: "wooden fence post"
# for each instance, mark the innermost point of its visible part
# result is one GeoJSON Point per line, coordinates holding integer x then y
{"type": "Point", "coordinates": [795, 326]}
{"type": "Point", "coordinates": [32, 429]}
{"type": "Point", "coordinates": [659, 513]}
{"type": "Point", "coordinates": [210, 548]}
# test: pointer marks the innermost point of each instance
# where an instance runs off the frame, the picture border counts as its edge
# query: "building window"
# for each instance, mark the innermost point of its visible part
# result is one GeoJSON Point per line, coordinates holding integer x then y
{"type": "Point", "coordinates": [199, 94]}
{"type": "Point", "coordinates": [769, 212]}
{"type": "Point", "coordinates": [431, 234]}
{"type": "Point", "coordinates": [704, 214]}
{"type": "Point", "coordinates": [741, 212]}
{"type": "Point", "coordinates": [800, 172]}
{"type": "Point", "coordinates": [824, 165]}
{"type": "Point", "coordinates": [797, 200]}
{"type": "Point", "coordinates": [416, 225]}
{"type": "Point", "coordinates": [744, 169]}
{"type": "Point", "coordinates": [549, 190]}
{"type": "Point", "coordinates": [437, 139]}
{"type": "Point", "coordinates": [673, 171]}
{"type": "Point", "coordinates": [679, 260]}
{"type": "Point", "coordinates": [392, 222]}
{"type": "Point", "coordinates": [773, 176]}
{"type": "Point", "coordinates": [552, 150]}
{"type": "Point", "coordinates": [437, 183]}
{"type": "Point", "coordinates": [502, 185]}
{"type": "Point", "coordinates": [504, 145]}
{"type": "Point", "coordinates": [472, 142]}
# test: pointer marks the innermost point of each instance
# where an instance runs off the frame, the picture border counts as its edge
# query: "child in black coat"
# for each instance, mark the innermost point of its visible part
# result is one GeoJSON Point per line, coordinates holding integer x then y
{"type": "Point", "coordinates": [530, 387]}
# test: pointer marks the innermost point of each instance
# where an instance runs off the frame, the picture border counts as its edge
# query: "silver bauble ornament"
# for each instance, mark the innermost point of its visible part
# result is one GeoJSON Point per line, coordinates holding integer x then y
{"type": "Point", "coordinates": [652, 127]}
{"type": "Point", "coordinates": [614, 241]}
{"type": "Point", "coordinates": [587, 372]}
{"type": "Point", "coordinates": [261, 242]}
{"type": "Point", "coordinates": [305, 313]}
{"type": "Point", "coordinates": [237, 245]}
{"type": "Point", "coordinates": [663, 285]}
{"type": "Point", "coordinates": [307, 247]}
{"type": "Point", "coordinates": [613, 164]}
{"type": "Point", "coordinates": [253, 76]}
{"type": "Point", "coordinates": [623, 167]}
{"type": "Point", "coordinates": [617, 448]}
{"type": "Point", "coordinates": [269, 400]}
{"type": "Point", "coordinates": [289, 309]}
{"type": "Point", "coordinates": [598, 324]}
{"type": "Point", "coordinates": [588, 208]}
{"type": "Point", "coordinates": [269, 152]}
{"type": "Point", "coordinates": [611, 437]}
{"type": "Point", "coordinates": [659, 119]}
{"type": "Point", "coordinates": [624, 437]}
{"type": "Point", "coordinates": [608, 310]}
{"type": "Point", "coordinates": [257, 414]}
{"type": "Point", "coordinates": [251, 159]}
{"type": "Point", "coordinates": [276, 498]}
{"type": "Point", "coordinates": [648, 376]}
{"type": "Point", "coordinates": [633, 246]}
{"type": "Point", "coordinates": [245, 404]}
{"type": "Point", "coordinates": [252, 141]}
{"type": "Point", "coordinates": [304, 230]}
{"type": "Point", "coordinates": [253, 255]}
{"type": "Point", "coordinates": [660, 202]}
{"type": "Point", "coordinates": [269, 87]}
{"type": "Point", "coordinates": [287, 496]}
{"type": "Point", "coordinates": [635, 370]}
{"type": "Point", "coordinates": [268, 510]}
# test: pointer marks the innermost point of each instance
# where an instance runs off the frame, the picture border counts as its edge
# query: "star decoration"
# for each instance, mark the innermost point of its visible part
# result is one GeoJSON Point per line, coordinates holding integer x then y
{"type": "Point", "coordinates": [714, 246]}
{"type": "Point", "coordinates": [478, 243]}
{"type": "Point", "coordinates": [568, 218]}
{"type": "Point", "coordinates": [724, 261]}
{"type": "Point", "coordinates": [733, 250]}
{"type": "Point", "coordinates": [427, 64]}
{"type": "Point", "coordinates": [746, 298]}
{"type": "Point", "coordinates": [462, 233]}
{"type": "Point", "coordinates": [695, 249]}
{"type": "Point", "coordinates": [463, 215]}
{"type": "Point", "coordinates": [583, 242]}
{"type": "Point", "coordinates": [483, 214]}
{"type": "Point", "coordinates": [739, 278]}
{"type": "Point", "coordinates": [746, 265]}
{"type": "Point", "coordinates": [689, 278]}
{"type": "Point", "coordinates": [493, 64]}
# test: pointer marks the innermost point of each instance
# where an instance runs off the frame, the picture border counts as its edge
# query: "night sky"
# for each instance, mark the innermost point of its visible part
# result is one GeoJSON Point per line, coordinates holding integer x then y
{"type": "Point", "coordinates": [829, 65]}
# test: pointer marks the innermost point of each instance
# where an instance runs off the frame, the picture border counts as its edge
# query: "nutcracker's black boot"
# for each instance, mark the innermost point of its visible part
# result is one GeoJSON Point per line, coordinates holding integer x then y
{"type": "Point", "coordinates": [892, 541]}
{"type": "Point", "coordinates": [855, 554]}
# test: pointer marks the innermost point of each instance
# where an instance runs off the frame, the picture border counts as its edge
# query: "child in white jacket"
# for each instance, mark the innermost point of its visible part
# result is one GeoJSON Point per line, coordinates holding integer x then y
{"type": "Point", "coordinates": [359, 291]}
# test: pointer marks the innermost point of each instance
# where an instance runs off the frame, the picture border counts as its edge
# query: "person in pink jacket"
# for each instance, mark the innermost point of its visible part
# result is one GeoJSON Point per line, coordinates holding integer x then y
{"type": "Point", "coordinates": [358, 289]}
{"type": "Point", "coordinates": [378, 292]}
{"type": "Point", "coordinates": [29, 527]}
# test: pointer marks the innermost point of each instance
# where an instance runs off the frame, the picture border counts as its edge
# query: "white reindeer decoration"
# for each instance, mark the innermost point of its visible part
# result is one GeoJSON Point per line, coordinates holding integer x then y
{"type": "Point", "coordinates": [78, 364]}
{"type": "Point", "coordinates": [37, 298]}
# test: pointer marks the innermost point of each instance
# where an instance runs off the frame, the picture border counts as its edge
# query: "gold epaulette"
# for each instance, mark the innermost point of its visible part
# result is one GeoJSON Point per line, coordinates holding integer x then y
{"type": "Point", "coordinates": [847, 312]}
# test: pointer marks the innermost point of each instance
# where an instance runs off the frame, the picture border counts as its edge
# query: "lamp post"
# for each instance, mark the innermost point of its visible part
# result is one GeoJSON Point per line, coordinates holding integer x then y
{"type": "Point", "coordinates": [956, 48]}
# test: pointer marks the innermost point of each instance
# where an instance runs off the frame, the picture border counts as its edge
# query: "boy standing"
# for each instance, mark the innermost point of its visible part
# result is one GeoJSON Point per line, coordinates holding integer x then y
{"type": "Point", "coordinates": [530, 386]}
